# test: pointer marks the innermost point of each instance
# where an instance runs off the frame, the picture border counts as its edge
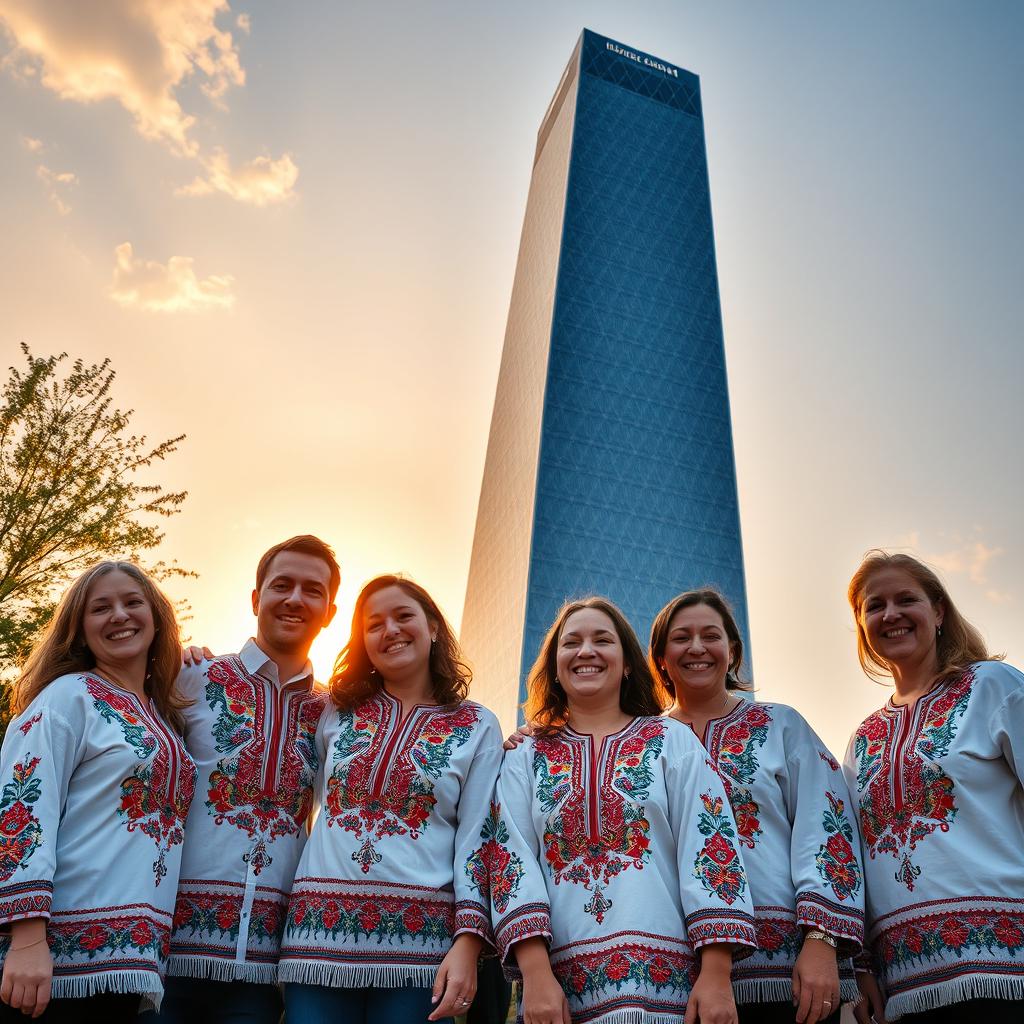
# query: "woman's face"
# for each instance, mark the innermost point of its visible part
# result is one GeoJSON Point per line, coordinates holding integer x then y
{"type": "Point", "coordinates": [397, 633]}
{"type": "Point", "coordinates": [117, 621]}
{"type": "Point", "coordinates": [697, 650]}
{"type": "Point", "coordinates": [589, 657]}
{"type": "Point", "coordinates": [898, 618]}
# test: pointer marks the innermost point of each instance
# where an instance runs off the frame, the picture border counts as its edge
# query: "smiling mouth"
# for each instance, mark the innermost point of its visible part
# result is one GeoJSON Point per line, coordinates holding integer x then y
{"type": "Point", "coordinates": [122, 634]}
{"type": "Point", "coordinates": [697, 666]}
{"type": "Point", "coordinates": [587, 670]}
{"type": "Point", "coordinates": [394, 648]}
{"type": "Point", "coordinates": [292, 619]}
{"type": "Point", "coordinates": [894, 634]}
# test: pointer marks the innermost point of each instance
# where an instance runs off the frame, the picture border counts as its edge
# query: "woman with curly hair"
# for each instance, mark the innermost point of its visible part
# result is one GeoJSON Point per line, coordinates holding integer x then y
{"type": "Point", "coordinates": [96, 789]}
{"type": "Point", "coordinates": [938, 778]}
{"type": "Point", "coordinates": [390, 908]}
{"type": "Point", "coordinates": [617, 886]}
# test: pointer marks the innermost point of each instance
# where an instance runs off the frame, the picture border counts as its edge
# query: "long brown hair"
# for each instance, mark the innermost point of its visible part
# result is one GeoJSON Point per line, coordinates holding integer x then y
{"type": "Point", "coordinates": [547, 707]}
{"type": "Point", "coordinates": [960, 643]}
{"type": "Point", "coordinates": [355, 680]}
{"type": "Point", "coordinates": [62, 648]}
{"type": "Point", "coordinates": [659, 636]}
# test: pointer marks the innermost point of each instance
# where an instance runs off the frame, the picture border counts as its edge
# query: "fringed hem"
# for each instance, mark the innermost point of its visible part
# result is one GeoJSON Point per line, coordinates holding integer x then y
{"type": "Point", "coordinates": [309, 972]}
{"type": "Point", "coordinates": [635, 1015]}
{"type": "Point", "coordinates": [181, 966]}
{"type": "Point", "coordinates": [142, 983]}
{"type": "Point", "coordinates": [780, 990]}
{"type": "Point", "coordinates": [948, 993]}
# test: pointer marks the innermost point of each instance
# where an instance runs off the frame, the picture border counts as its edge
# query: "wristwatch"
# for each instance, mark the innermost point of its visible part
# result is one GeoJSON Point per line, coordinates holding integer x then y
{"type": "Point", "coordinates": [817, 933]}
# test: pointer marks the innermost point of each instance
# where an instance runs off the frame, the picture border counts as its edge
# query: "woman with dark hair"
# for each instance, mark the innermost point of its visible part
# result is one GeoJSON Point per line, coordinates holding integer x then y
{"type": "Point", "coordinates": [390, 910]}
{"type": "Point", "coordinates": [617, 886]}
{"type": "Point", "coordinates": [937, 775]}
{"type": "Point", "coordinates": [96, 788]}
{"type": "Point", "coordinates": [792, 812]}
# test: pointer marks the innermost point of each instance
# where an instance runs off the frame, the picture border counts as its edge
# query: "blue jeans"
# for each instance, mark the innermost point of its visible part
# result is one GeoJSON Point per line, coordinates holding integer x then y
{"type": "Point", "coordinates": [317, 1004]}
{"type": "Point", "coordinates": [201, 1001]}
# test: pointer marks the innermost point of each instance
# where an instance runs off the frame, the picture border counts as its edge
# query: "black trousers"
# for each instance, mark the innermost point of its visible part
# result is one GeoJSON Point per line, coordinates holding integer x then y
{"type": "Point", "coordinates": [973, 1011]}
{"type": "Point", "coordinates": [774, 1013]}
{"type": "Point", "coordinates": [105, 1008]}
{"type": "Point", "coordinates": [493, 994]}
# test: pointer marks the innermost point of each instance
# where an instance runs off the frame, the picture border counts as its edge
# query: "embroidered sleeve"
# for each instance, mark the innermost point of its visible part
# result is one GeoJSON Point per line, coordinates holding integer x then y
{"type": "Point", "coordinates": [864, 961]}
{"type": "Point", "coordinates": [824, 851]}
{"type": "Point", "coordinates": [712, 880]}
{"type": "Point", "coordinates": [1008, 725]}
{"type": "Point", "coordinates": [519, 900]}
{"type": "Point", "coordinates": [39, 754]}
{"type": "Point", "coordinates": [474, 845]}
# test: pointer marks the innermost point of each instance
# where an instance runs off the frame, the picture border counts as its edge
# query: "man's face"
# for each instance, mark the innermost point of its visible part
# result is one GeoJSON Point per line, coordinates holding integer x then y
{"type": "Point", "coordinates": [293, 603]}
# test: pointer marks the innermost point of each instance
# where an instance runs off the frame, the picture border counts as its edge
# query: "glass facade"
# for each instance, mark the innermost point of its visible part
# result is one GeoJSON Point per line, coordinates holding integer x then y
{"type": "Point", "coordinates": [610, 462]}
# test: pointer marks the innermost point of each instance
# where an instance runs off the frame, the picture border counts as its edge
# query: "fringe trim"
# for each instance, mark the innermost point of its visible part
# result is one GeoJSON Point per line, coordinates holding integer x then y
{"type": "Point", "coordinates": [307, 972]}
{"type": "Point", "coordinates": [634, 1015]}
{"type": "Point", "coordinates": [181, 966]}
{"type": "Point", "coordinates": [780, 990]}
{"type": "Point", "coordinates": [142, 983]}
{"type": "Point", "coordinates": [948, 993]}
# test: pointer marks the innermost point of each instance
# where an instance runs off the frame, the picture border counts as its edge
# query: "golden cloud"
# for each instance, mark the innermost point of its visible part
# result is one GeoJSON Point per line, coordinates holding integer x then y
{"type": "Point", "coordinates": [136, 52]}
{"type": "Point", "coordinates": [261, 181]}
{"type": "Point", "coordinates": [158, 288]}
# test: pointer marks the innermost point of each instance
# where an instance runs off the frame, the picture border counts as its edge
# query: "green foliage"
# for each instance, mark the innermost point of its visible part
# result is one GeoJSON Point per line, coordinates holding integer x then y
{"type": "Point", "coordinates": [69, 490]}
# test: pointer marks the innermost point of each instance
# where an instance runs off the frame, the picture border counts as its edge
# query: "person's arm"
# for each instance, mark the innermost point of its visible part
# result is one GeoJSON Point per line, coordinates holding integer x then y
{"type": "Point", "coordinates": [713, 888]}
{"type": "Point", "coordinates": [870, 1008]}
{"type": "Point", "coordinates": [40, 752]}
{"type": "Point", "coordinates": [825, 868]}
{"type": "Point", "coordinates": [520, 909]}
{"type": "Point", "coordinates": [455, 982]}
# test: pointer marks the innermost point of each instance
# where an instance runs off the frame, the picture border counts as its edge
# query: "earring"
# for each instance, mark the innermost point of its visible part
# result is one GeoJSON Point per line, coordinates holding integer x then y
{"type": "Point", "coordinates": [433, 639]}
{"type": "Point", "coordinates": [938, 630]}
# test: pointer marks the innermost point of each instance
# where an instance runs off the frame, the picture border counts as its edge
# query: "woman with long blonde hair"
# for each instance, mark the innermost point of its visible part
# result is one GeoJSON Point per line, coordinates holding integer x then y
{"type": "Point", "coordinates": [96, 788]}
{"type": "Point", "coordinates": [937, 775]}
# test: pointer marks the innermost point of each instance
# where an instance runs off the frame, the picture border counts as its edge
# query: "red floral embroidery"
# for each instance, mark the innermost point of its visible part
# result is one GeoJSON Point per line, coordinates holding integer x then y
{"type": "Point", "coordinates": [903, 803]}
{"type": "Point", "coordinates": [717, 865]}
{"type": "Point", "coordinates": [26, 727]}
{"type": "Point", "coordinates": [368, 797]}
{"type": "Point", "coordinates": [219, 914]}
{"type": "Point", "coordinates": [264, 784]}
{"type": "Point", "coordinates": [495, 870]}
{"type": "Point", "coordinates": [669, 973]}
{"type": "Point", "coordinates": [383, 917]}
{"type": "Point", "coordinates": [932, 937]}
{"type": "Point", "coordinates": [156, 797]}
{"type": "Point", "coordinates": [116, 937]}
{"type": "Point", "coordinates": [21, 832]}
{"type": "Point", "coordinates": [733, 745]}
{"type": "Point", "coordinates": [591, 849]}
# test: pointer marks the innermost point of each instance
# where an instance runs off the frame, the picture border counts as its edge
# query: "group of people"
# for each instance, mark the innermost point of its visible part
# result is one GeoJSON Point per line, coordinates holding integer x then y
{"type": "Point", "coordinates": [651, 848]}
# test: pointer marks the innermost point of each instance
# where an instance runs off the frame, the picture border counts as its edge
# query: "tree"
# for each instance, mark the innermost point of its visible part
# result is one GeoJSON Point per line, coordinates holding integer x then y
{"type": "Point", "coordinates": [70, 492]}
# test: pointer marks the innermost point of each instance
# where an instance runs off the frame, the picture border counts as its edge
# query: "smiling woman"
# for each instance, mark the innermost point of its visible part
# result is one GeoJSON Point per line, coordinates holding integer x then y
{"type": "Point", "coordinates": [95, 773]}
{"type": "Point", "coordinates": [389, 910]}
{"type": "Point", "coordinates": [615, 851]}
{"type": "Point", "coordinates": [938, 777]}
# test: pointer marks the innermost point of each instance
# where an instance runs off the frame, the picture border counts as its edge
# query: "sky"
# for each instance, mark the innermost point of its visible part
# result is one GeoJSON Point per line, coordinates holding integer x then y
{"type": "Point", "coordinates": [293, 229]}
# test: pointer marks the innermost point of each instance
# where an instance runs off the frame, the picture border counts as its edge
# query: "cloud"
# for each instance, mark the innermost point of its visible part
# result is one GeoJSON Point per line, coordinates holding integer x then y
{"type": "Point", "coordinates": [244, 23]}
{"type": "Point", "coordinates": [999, 596]}
{"type": "Point", "coordinates": [174, 287]}
{"type": "Point", "coordinates": [32, 145]}
{"type": "Point", "coordinates": [972, 558]}
{"type": "Point", "coordinates": [261, 181]}
{"type": "Point", "coordinates": [53, 179]}
{"type": "Point", "coordinates": [137, 52]}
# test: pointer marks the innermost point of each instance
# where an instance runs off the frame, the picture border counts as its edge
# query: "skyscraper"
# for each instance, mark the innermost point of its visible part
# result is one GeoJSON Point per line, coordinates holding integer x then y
{"type": "Point", "coordinates": [610, 462]}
